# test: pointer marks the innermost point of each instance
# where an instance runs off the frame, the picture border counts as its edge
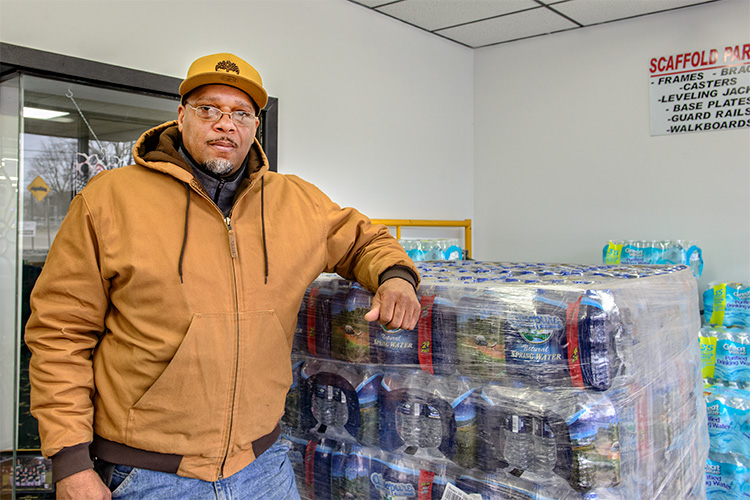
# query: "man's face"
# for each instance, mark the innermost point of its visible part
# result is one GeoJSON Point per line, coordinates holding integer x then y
{"type": "Point", "coordinates": [221, 146]}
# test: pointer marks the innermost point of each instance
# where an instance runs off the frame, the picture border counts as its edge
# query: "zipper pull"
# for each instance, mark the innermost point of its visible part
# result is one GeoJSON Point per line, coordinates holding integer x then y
{"type": "Point", "coordinates": [232, 242]}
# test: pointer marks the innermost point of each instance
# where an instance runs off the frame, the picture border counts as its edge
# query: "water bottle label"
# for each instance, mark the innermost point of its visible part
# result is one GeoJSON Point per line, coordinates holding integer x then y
{"type": "Point", "coordinates": [613, 253]}
{"type": "Point", "coordinates": [727, 304]}
{"type": "Point", "coordinates": [728, 420]}
{"type": "Point", "coordinates": [390, 489]}
{"type": "Point", "coordinates": [350, 333]}
{"type": "Point", "coordinates": [708, 356]}
{"type": "Point", "coordinates": [311, 305]}
{"type": "Point", "coordinates": [574, 355]}
{"type": "Point", "coordinates": [425, 333]}
{"type": "Point", "coordinates": [732, 361]}
{"type": "Point", "coordinates": [726, 480]}
{"type": "Point", "coordinates": [356, 481]}
{"type": "Point", "coordinates": [632, 254]}
{"type": "Point", "coordinates": [720, 304]}
{"type": "Point", "coordinates": [396, 347]}
{"type": "Point", "coordinates": [516, 425]}
{"type": "Point", "coordinates": [535, 340]}
{"type": "Point", "coordinates": [480, 336]}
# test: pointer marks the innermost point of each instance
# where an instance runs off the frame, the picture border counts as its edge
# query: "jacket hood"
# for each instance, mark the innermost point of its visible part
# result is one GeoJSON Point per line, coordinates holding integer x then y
{"type": "Point", "coordinates": [157, 149]}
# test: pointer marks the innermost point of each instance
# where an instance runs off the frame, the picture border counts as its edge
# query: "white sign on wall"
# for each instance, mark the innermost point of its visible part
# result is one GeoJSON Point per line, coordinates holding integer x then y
{"type": "Point", "coordinates": [701, 91]}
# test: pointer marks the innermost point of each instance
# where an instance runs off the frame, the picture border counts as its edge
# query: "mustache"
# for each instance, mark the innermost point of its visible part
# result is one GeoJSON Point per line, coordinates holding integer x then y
{"type": "Point", "coordinates": [222, 139]}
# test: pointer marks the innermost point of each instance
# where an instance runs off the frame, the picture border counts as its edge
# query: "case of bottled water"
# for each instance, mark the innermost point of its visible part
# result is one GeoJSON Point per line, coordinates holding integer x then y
{"type": "Point", "coordinates": [520, 380]}
{"type": "Point", "coordinates": [725, 354]}
{"type": "Point", "coordinates": [432, 249]}
{"type": "Point", "coordinates": [661, 252]}
{"type": "Point", "coordinates": [727, 304]}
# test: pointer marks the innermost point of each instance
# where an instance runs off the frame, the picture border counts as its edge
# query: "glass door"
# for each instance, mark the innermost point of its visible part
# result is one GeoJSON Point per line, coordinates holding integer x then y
{"type": "Point", "coordinates": [56, 135]}
{"type": "Point", "coordinates": [9, 155]}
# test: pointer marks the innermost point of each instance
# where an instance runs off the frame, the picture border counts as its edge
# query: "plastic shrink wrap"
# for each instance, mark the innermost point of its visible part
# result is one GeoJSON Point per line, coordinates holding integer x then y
{"type": "Point", "coordinates": [432, 249]}
{"type": "Point", "coordinates": [658, 252]}
{"type": "Point", "coordinates": [727, 304]}
{"type": "Point", "coordinates": [725, 354]}
{"type": "Point", "coordinates": [522, 381]}
{"type": "Point", "coordinates": [728, 465]}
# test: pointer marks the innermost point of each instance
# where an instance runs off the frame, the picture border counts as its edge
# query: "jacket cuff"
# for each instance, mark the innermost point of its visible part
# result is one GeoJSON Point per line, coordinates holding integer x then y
{"type": "Point", "coordinates": [403, 272]}
{"type": "Point", "coordinates": [71, 460]}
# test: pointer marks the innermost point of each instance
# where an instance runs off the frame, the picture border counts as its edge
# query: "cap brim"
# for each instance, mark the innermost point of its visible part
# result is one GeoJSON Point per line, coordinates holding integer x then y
{"type": "Point", "coordinates": [256, 92]}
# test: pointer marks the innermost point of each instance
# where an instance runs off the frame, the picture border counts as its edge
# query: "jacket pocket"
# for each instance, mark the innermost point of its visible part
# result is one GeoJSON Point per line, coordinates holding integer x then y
{"type": "Point", "coordinates": [186, 410]}
{"type": "Point", "coordinates": [230, 374]}
{"type": "Point", "coordinates": [265, 375]}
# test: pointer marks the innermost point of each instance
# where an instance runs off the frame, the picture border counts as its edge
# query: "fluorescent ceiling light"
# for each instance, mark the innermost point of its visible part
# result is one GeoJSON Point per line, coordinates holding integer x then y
{"type": "Point", "coordinates": [42, 114]}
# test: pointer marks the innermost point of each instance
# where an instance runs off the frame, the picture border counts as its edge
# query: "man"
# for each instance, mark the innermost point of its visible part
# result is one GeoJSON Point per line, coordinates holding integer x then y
{"type": "Point", "coordinates": [162, 322]}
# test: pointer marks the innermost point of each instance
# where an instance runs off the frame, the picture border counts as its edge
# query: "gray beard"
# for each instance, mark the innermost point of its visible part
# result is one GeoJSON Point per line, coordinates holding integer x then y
{"type": "Point", "coordinates": [219, 166]}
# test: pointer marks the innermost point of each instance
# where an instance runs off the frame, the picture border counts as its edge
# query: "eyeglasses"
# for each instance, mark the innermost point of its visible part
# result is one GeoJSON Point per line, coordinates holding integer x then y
{"type": "Point", "coordinates": [213, 114]}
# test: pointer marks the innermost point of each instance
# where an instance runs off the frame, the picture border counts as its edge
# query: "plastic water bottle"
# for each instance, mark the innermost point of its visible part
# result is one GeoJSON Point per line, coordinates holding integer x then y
{"type": "Point", "coordinates": [432, 428]}
{"type": "Point", "coordinates": [292, 418]}
{"type": "Point", "coordinates": [329, 405]}
{"type": "Point", "coordinates": [599, 326]}
{"type": "Point", "coordinates": [519, 446]}
{"type": "Point", "coordinates": [419, 425]}
{"type": "Point", "coordinates": [545, 447]}
{"type": "Point", "coordinates": [418, 421]}
{"type": "Point", "coordinates": [465, 412]}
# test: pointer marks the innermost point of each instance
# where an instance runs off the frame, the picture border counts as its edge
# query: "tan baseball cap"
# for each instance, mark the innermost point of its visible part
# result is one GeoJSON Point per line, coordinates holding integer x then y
{"type": "Point", "coordinates": [225, 69]}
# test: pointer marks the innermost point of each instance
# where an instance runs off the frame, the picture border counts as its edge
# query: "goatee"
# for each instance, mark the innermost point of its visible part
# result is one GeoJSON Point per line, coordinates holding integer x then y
{"type": "Point", "coordinates": [219, 166]}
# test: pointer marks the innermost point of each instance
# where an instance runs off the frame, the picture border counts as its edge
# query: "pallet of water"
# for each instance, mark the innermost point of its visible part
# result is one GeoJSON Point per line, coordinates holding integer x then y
{"type": "Point", "coordinates": [520, 380]}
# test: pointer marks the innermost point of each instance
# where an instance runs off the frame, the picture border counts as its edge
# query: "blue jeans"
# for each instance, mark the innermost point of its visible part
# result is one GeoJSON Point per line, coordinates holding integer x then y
{"type": "Point", "coordinates": [269, 477]}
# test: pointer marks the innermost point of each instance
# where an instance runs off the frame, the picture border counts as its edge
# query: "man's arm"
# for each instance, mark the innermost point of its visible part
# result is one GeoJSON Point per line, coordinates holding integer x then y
{"type": "Point", "coordinates": [84, 485]}
{"type": "Point", "coordinates": [68, 304]}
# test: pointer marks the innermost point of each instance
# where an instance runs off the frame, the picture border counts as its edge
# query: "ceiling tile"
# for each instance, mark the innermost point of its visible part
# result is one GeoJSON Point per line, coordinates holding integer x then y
{"type": "Point", "coordinates": [589, 12]}
{"type": "Point", "coordinates": [511, 27]}
{"type": "Point", "coordinates": [432, 15]}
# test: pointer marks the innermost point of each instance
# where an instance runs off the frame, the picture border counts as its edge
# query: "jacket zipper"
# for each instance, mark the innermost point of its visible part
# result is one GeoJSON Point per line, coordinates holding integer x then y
{"type": "Point", "coordinates": [233, 253]}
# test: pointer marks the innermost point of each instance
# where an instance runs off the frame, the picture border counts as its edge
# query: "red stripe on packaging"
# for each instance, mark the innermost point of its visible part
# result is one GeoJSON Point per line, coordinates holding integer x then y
{"type": "Point", "coordinates": [424, 333]}
{"type": "Point", "coordinates": [425, 485]}
{"type": "Point", "coordinates": [310, 468]}
{"type": "Point", "coordinates": [311, 302]}
{"type": "Point", "coordinates": [574, 354]}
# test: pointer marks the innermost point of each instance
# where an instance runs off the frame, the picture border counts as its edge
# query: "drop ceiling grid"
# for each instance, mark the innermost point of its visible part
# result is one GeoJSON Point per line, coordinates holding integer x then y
{"type": "Point", "coordinates": [589, 12]}
{"type": "Point", "coordinates": [434, 15]}
{"type": "Point", "coordinates": [479, 23]}
{"type": "Point", "coordinates": [524, 24]}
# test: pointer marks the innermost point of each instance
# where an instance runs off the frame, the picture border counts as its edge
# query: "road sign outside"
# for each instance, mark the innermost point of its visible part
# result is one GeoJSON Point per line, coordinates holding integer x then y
{"type": "Point", "coordinates": [39, 188]}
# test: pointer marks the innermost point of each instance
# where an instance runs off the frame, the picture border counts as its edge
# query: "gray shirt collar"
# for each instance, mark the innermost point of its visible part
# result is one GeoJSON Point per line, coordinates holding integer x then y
{"type": "Point", "coordinates": [220, 189]}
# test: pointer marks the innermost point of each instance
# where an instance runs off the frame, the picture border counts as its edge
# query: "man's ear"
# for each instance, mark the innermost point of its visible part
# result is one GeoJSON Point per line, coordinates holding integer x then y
{"type": "Point", "coordinates": [180, 116]}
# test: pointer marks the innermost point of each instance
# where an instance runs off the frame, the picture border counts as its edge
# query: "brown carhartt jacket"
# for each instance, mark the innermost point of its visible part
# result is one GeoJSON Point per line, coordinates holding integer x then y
{"type": "Point", "coordinates": [162, 331]}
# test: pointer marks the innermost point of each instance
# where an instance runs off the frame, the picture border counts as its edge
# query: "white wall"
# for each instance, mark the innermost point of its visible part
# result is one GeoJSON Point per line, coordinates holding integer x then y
{"type": "Point", "coordinates": [379, 113]}
{"type": "Point", "coordinates": [371, 110]}
{"type": "Point", "coordinates": [564, 159]}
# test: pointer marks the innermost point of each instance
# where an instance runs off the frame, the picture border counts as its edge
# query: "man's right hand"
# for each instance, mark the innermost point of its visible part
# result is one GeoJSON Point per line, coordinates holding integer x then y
{"type": "Point", "coordinates": [84, 485]}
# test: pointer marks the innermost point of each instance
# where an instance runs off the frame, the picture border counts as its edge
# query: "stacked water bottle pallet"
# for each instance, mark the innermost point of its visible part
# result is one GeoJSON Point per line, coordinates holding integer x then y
{"type": "Point", "coordinates": [725, 346]}
{"type": "Point", "coordinates": [524, 381]}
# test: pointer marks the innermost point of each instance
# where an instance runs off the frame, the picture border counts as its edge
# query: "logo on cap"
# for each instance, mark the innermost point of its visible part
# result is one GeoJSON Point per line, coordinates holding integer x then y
{"type": "Point", "coordinates": [227, 66]}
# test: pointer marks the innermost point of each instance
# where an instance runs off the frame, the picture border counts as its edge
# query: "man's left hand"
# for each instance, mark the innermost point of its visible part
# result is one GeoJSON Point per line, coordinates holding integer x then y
{"type": "Point", "coordinates": [395, 305]}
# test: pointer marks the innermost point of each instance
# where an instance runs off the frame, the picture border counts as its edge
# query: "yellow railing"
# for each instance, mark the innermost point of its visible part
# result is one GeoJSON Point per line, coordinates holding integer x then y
{"type": "Point", "coordinates": [399, 223]}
